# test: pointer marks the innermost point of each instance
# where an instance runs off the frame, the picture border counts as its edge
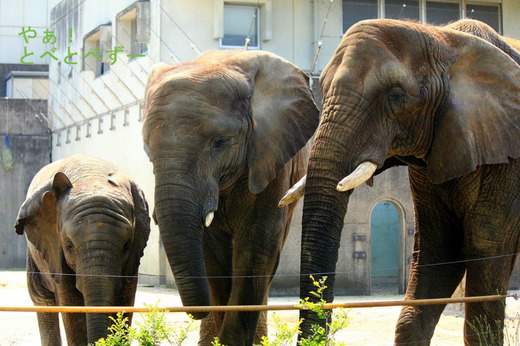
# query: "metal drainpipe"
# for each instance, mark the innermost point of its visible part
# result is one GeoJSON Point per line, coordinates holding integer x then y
{"type": "Point", "coordinates": [316, 24]}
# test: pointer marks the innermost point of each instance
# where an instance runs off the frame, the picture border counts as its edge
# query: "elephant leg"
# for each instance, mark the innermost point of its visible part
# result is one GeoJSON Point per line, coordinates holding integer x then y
{"type": "Point", "coordinates": [485, 318]}
{"type": "Point", "coordinates": [490, 247]}
{"type": "Point", "coordinates": [491, 241]}
{"type": "Point", "coordinates": [75, 324]}
{"type": "Point", "coordinates": [436, 268]}
{"type": "Point", "coordinates": [48, 323]}
{"type": "Point", "coordinates": [255, 258]}
{"type": "Point", "coordinates": [217, 258]}
{"type": "Point", "coordinates": [76, 328]}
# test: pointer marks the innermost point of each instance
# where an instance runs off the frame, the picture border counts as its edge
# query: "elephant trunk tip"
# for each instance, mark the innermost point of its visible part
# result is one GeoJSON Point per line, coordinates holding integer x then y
{"type": "Point", "coordinates": [198, 315]}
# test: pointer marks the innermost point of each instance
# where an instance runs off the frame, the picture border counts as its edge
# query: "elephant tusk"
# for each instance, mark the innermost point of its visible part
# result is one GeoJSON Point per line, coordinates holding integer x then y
{"type": "Point", "coordinates": [209, 218]}
{"type": "Point", "coordinates": [294, 193]}
{"type": "Point", "coordinates": [362, 173]}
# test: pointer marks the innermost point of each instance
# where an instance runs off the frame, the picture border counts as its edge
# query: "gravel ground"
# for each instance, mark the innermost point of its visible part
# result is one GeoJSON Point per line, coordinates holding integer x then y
{"type": "Point", "coordinates": [368, 326]}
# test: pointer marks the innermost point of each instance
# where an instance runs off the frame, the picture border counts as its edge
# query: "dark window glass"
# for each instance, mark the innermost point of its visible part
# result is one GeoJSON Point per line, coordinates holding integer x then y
{"type": "Point", "coordinates": [402, 9]}
{"type": "Point", "coordinates": [439, 13]}
{"type": "Point", "coordinates": [489, 14]}
{"type": "Point", "coordinates": [356, 10]}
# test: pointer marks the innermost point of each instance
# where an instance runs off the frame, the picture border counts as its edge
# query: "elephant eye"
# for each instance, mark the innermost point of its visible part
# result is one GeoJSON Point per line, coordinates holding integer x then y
{"type": "Point", "coordinates": [219, 142]}
{"type": "Point", "coordinates": [69, 245]}
{"type": "Point", "coordinates": [396, 99]}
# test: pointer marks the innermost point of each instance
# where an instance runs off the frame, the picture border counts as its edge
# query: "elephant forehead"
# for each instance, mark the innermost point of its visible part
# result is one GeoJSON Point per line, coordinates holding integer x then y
{"type": "Point", "coordinates": [191, 104]}
{"type": "Point", "coordinates": [189, 118]}
{"type": "Point", "coordinates": [208, 80]}
{"type": "Point", "coordinates": [97, 198]}
{"type": "Point", "coordinates": [366, 65]}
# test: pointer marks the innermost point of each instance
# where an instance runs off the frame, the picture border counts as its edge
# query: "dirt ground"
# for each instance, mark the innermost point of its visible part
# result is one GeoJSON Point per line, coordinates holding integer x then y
{"type": "Point", "coordinates": [368, 326]}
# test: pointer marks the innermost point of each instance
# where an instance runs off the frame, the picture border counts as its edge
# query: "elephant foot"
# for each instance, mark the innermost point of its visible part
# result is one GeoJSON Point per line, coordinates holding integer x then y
{"type": "Point", "coordinates": [409, 329]}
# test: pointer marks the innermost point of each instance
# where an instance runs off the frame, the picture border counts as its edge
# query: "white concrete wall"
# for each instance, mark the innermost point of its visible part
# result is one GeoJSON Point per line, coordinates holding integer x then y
{"type": "Point", "coordinates": [13, 16]}
{"type": "Point", "coordinates": [511, 15]}
{"type": "Point", "coordinates": [122, 146]}
{"type": "Point", "coordinates": [292, 27]}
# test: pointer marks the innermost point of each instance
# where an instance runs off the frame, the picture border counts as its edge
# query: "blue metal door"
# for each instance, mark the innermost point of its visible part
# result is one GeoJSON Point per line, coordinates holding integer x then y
{"type": "Point", "coordinates": [385, 242]}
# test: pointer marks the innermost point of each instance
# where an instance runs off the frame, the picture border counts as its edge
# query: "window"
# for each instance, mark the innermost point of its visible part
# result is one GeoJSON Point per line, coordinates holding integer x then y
{"type": "Point", "coordinates": [402, 9]}
{"type": "Point", "coordinates": [435, 12]}
{"type": "Point", "coordinates": [356, 10]}
{"type": "Point", "coordinates": [95, 45]}
{"type": "Point", "coordinates": [133, 28]}
{"type": "Point", "coordinates": [240, 23]}
{"type": "Point", "coordinates": [489, 14]}
{"type": "Point", "coordinates": [439, 13]}
{"type": "Point", "coordinates": [58, 69]}
{"type": "Point", "coordinates": [137, 47]}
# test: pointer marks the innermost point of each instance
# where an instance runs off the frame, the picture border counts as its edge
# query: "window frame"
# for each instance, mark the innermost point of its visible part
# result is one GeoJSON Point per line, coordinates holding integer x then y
{"type": "Point", "coordinates": [379, 5]}
{"type": "Point", "coordinates": [258, 24]}
{"type": "Point", "coordinates": [459, 3]}
{"type": "Point", "coordinates": [266, 17]}
{"type": "Point", "coordinates": [419, 8]}
{"type": "Point", "coordinates": [462, 4]}
{"type": "Point", "coordinates": [135, 38]}
{"type": "Point", "coordinates": [91, 41]}
{"type": "Point", "coordinates": [498, 5]}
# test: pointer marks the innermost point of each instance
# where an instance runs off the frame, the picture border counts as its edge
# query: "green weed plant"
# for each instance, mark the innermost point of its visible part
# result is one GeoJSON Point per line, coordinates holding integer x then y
{"type": "Point", "coordinates": [153, 331]}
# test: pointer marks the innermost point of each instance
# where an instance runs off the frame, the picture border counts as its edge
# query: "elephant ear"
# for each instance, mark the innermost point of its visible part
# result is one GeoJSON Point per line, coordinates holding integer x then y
{"type": "Point", "coordinates": [285, 115]}
{"type": "Point", "coordinates": [142, 229]}
{"type": "Point", "coordinates": [37, 217]}
{"type": "Point", "coordinates": [157, 72]}
{"type": "Point", "coordinates": [481, 121]}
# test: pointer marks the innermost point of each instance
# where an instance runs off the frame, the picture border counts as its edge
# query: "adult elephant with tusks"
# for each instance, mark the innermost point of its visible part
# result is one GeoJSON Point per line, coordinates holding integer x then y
{"type": "Point", "coordinates": [447, 104]}
{"type": "Point", "coordinates": [227, 135]}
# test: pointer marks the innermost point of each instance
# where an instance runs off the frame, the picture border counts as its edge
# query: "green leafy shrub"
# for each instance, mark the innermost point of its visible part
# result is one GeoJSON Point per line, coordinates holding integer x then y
{"type": "Point", "coordinates": [118, 332]}
{"type": "Point", "coordinates": [338, 319]}
{"type": "Point", "coordinates": [154, 331]}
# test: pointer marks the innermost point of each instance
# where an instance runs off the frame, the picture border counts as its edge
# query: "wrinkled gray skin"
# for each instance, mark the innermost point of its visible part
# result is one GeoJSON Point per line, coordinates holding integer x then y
{"type": "Point", "coordinates": [477, 28]}
{"type": "Point", "coordinates": [86, 226]}
{"type": "Point", "coordinates": [447, 104]}
{"type": "Point", "coordinates": [227, 134]}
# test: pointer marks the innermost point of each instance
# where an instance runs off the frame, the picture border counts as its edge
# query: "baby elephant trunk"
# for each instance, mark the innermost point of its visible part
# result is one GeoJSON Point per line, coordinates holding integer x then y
{"type": "Point", "coordinates": [98, 279]}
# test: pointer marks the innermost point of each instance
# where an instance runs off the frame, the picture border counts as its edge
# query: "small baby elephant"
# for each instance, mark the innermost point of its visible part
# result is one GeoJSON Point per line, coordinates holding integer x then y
{"type": "Point", "coordinates": [86, 226]}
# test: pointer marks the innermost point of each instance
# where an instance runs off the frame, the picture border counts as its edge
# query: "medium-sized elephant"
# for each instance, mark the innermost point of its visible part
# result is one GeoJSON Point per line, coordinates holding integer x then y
{"type": "Point", "coordinates": [227, 134]}
{"type": "Point", "coordinates": [447, 104]}
{"type": "Point", "coordinates": [86, 225]}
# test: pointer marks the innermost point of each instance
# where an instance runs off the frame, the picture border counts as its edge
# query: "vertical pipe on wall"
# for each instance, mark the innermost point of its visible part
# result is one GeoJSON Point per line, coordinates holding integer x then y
{"type": "Point", "coordinates": [316, 26]}
{"type": "Point", "coordinates": [422, 11]}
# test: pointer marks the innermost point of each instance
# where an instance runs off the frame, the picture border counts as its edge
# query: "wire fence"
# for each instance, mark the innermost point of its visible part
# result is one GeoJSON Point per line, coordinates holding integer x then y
{"type": "Point", "coordinates": [271, 276]}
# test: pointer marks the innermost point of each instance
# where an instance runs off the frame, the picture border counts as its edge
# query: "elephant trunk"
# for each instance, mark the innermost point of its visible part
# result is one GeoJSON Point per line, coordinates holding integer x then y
{"type": "Point", "coordinates": [98, 279]}
{"type": "Point", "coordinates": [323, 214]}
{"type": "Point", "coordinates": [181, 217]}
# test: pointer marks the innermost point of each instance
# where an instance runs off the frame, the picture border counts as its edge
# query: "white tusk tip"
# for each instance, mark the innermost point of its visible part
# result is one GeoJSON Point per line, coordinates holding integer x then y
{"type": "Point", "coordinates": [209, 218]}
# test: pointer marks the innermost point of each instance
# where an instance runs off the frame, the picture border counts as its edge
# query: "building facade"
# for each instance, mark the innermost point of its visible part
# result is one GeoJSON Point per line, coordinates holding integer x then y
{"type": "Point", "coordinates": [25, 131]}
{"type": "Point", "coordinates": [97, 75]}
